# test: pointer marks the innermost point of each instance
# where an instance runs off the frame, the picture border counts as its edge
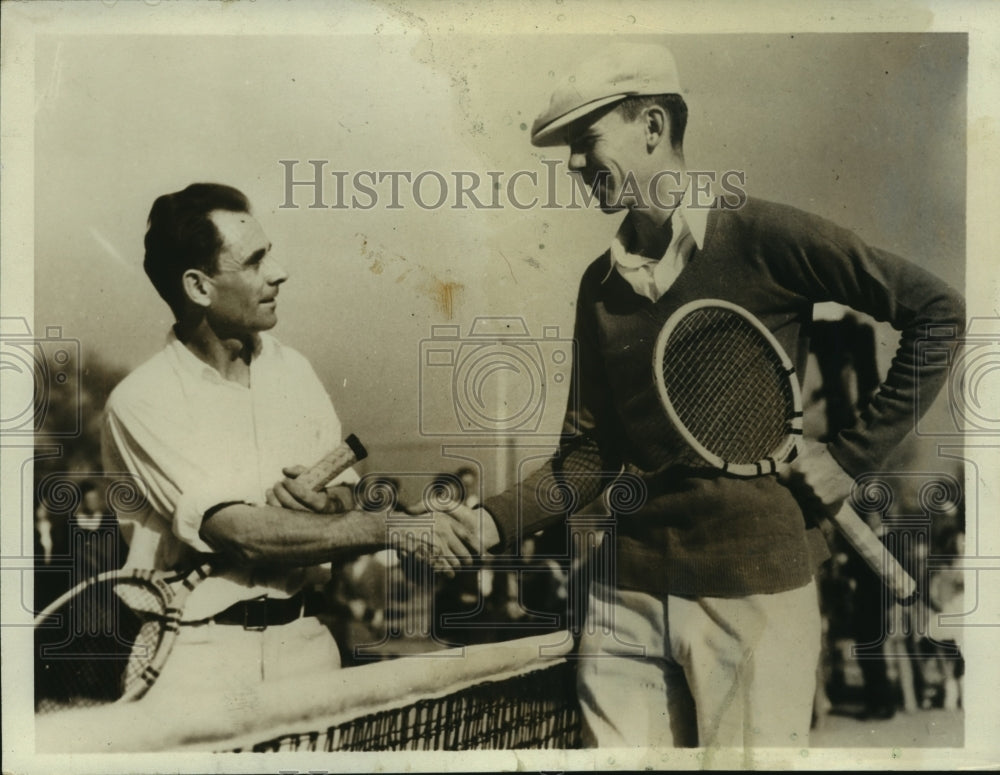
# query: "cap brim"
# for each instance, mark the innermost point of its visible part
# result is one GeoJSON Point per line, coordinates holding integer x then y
{"type": "Point", "coordinates": [547, 132]}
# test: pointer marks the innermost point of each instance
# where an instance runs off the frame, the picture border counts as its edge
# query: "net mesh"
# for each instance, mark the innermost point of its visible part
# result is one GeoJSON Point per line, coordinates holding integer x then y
{"type": "Point", "coordinates": [537, 709]}
{"type": "Point", "coordinates": [518, 694]}
{"type": "Point", "coordinates": [92, 649]}
{"type": "Point", "coordinates": [727, 385]}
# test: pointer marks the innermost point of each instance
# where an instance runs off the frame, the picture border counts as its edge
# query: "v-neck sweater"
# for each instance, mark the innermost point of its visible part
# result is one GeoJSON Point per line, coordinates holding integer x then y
{"type": "Point", "coordinates": [709, 533]}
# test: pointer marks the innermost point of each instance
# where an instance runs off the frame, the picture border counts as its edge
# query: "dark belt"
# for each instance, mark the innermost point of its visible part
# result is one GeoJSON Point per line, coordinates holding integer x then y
{"type": "Point", "coordinates": [263, 612]}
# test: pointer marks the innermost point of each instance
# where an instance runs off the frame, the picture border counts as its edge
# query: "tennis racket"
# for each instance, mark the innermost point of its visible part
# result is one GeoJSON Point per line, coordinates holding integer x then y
{"type": "Point", "coordinates": [732, 397]}
{"type": "Point", "coordinates": [107, 639]}
{"type": "Point", "coordinates": [332, 465]}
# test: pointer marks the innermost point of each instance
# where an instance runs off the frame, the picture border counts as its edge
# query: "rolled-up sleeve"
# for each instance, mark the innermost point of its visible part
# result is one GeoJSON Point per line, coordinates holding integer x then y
{"type": "Point", "coordinates": [197, 441]}
{"type": "Point", "coordinates": [160, 453]}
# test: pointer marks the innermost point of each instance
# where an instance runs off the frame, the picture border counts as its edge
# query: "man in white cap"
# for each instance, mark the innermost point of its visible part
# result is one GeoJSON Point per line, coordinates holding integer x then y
{"type": "Point", "coordinates": [713, 576]}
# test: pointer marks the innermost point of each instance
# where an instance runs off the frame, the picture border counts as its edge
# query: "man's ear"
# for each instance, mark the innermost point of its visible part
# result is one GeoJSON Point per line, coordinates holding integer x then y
{"type": "Point", "coordinates": [657, 127]}
{"type": "Point", "coordinates": [197, 287]}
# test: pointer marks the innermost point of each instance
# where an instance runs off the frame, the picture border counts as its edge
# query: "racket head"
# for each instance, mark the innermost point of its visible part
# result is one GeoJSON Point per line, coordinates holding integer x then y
{"type": "Point", "coordinates": [728, 388]}
{"type": "Point", "coordinates": [107, 639]}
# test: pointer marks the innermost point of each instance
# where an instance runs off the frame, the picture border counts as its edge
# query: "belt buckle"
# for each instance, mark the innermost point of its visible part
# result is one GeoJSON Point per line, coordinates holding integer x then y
{"type": "Point", "coordinates": [251, 622]}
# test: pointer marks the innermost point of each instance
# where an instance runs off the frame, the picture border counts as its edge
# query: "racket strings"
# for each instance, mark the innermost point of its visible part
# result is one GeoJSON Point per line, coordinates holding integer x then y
{"type": "Point", "coordinates": [150, 610]}
{"type": "Point", "coordinates": [94, 648]}
{"type": "Point", "coordinates": [727, 385]}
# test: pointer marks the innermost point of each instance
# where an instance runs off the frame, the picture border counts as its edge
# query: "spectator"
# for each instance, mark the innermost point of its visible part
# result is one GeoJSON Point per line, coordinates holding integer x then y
{"type": "Point", "coordinates": [94, 538]}
{"type": "Point", "coordinates": [946, 594]}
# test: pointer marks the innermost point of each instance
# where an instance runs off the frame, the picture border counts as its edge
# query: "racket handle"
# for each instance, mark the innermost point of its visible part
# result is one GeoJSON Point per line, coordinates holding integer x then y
{"type": "Point", "coordinates": [874, 552]}
{"type": "Point", "coordinates": [332, 465]}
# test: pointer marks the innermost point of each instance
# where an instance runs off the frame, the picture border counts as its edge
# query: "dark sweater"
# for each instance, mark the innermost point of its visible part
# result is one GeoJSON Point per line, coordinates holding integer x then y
{"type": "Point", "coordinates": [711, 534]}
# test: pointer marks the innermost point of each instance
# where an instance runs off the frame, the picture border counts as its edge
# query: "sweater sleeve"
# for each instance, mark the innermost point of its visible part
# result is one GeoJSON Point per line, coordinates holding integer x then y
{"type": "Point", "coordinates": [828, 263]}
{"type": "Point", "coordinates": [585, 462]}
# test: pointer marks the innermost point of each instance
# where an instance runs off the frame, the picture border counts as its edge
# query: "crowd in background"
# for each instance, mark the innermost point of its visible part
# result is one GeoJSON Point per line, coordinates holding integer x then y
{"type": "Point", "coordinates": [878, 657]}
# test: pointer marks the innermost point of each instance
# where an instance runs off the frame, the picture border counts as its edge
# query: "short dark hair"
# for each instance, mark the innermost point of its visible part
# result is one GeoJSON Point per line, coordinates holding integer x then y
{"type": "Point", "coordinates": [181, 236]}
{"type": "Point", "coordinates": [631, 108]}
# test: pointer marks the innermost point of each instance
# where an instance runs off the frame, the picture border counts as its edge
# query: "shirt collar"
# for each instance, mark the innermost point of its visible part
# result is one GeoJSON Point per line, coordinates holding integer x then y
{"type": "Point", "coordinates": [191, 364]}
{"type": "Point", "coordinates": [686, 219]}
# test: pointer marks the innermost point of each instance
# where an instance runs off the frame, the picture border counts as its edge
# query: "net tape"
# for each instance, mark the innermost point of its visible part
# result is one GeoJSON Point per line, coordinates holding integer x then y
{"type": "Point", "coordinates": [510, 694]}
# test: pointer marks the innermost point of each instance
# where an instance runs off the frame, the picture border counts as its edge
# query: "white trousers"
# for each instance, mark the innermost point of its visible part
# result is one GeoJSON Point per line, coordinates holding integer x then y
{"type": "Point", "coordinates": [727, 672]}
{"type": "Point", "coordinates": [230, 661]}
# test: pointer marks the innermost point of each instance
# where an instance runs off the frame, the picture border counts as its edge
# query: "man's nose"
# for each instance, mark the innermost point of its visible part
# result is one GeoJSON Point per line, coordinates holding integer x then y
{"type": "Point", "coordinates": [577, 161]}
{"type": "Point", "coordinates": [276, 273]}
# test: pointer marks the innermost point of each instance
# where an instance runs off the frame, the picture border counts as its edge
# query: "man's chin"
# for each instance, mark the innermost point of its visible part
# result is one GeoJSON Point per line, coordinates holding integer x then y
{"type": "Point", "coordinates": [604, 202]}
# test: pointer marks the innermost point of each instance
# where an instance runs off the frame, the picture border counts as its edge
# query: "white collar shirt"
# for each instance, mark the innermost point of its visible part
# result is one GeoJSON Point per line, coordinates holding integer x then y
{"type": "Point", "coordinates": [189, 440]}
{"type": "Point", "coordinates": [651, 277]}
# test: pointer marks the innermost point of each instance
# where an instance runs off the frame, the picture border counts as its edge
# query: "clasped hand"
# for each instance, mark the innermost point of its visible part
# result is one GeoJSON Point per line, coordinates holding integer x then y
{"type": "Point", "coordinates": [288, 493]}
{"type": "Point", "coordinates": [454, 538]}
{"type": "Point", "coordinates": [817, 475]}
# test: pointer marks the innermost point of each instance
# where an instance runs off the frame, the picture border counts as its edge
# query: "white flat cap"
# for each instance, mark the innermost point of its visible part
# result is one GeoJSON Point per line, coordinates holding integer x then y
{"type": "Point", "coordinates": [625, 70]}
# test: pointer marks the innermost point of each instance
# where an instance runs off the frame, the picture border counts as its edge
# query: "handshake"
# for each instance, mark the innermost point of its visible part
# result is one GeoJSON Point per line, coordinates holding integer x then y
{"type": "Point", "coordinates": [452, 540]}
{"type": "Point", "coordinates": [454, 536]}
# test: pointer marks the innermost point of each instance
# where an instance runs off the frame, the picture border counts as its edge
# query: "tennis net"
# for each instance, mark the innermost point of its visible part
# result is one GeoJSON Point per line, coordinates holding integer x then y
{"type": "Point", "coordinates": [517, 694]}
{"type": "Point", "coordinates": [534, 710]}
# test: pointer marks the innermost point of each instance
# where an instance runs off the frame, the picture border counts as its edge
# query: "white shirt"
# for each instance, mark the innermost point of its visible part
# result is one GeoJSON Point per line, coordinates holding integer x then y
{"type": "Point", "coordinates": [195, 440]}
{"type": "Point", "coordinates": [651, 277]}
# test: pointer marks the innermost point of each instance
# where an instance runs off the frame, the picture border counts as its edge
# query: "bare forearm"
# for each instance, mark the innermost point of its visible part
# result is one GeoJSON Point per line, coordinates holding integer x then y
{"type": "Point", "coordinates": [271, 535]}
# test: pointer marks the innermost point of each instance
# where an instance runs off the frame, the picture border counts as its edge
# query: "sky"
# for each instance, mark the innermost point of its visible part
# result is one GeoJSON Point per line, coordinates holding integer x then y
{"type": "Point", "coordinates": [865, 129]}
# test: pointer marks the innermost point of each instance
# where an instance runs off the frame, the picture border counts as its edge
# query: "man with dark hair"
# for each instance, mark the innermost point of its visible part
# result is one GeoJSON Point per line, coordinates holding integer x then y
{"type": "Point", "coordinates": [705, 630]}
{"type": "Point", "coordinates": [631, 108]}
{"type": "Point", "coordinates": [215, 426]}
{"type": "Point", "coordinates": [182, 236]}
